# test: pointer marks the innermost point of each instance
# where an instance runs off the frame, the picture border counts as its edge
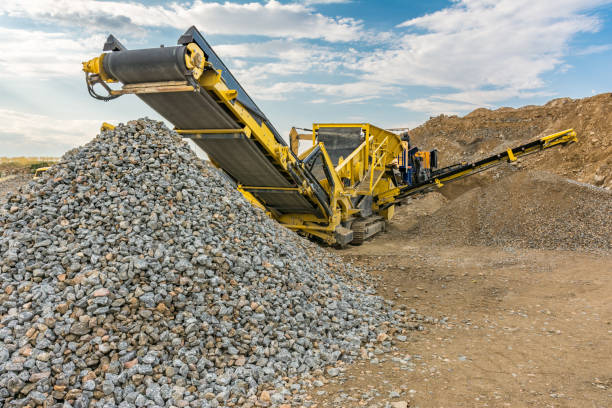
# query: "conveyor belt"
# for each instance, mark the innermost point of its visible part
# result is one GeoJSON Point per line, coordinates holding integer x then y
{"type": "Point", "coordinates": [185, 110]}
{"type": "Point", "coordinates": [243, 161]}
{"type": "Point", "coordinates": [239, 156]}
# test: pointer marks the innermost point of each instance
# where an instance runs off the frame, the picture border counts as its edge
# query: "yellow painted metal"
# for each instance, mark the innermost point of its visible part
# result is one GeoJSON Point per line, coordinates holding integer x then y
{"type": "Point", "coordinates": [294, 139]}
{"type": "Point", "coordinates": [305, 153]}
{"type": "Point", "coordinates": [369, 161]}
{"type": "Point", "coordinates": [366, 166]}
{"type": "Point", "coordinates": [425, 155]}
{"type": "Point", "coordinates": [300, 219]}
{"type": "Point", "coordinates": [317, 126]}
{"type": "Point", "coordinates": [388, 212]}
{"type": "Point", "coordinates": [565, 136]}
{"type": "Point", "coordinates": [94, 66]}
{"type": "Point", "coordinates": [251, 198]}
{"type": "Point", "coordinates": [195, 60]}
{"type": "Point", "coordinates": [212, 131]}
{"type": "Point", "coordinates": [272, 188]}
{"type": "Point", "coordinates": [279, 154]}
{"type": "Point", "coordinates": [511, 156]}
{"type": "Point", "coordinates": [106, 126]}
{"type": "Point", "coordinates": [39, 171]}
{"type": "Point", "coordinates": [341, 201]}
{"type": "Point", "coordinates": [312, 227]}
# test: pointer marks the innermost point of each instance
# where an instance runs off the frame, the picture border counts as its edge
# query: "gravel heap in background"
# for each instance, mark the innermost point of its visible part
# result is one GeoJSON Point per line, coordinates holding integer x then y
{"type": "Point", "coordinates": [528, 209]}
{"type": "Point", "coordinates": [133, 274]}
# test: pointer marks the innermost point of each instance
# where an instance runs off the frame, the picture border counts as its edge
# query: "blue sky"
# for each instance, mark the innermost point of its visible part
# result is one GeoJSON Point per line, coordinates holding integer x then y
{"type": "Point", "coordinates": [392, 63]}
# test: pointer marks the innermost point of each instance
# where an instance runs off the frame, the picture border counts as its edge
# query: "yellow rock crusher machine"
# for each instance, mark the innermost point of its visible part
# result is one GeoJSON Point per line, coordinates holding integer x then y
{"type": "Point", "coordinates": [341, 190]}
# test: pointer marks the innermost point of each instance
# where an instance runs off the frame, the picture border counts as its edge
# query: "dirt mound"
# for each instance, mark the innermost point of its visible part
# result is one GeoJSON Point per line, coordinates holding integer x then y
{"type": "Point", "coordinates": [485, 131]}
{"type": "Point", "coordinates": [529, 209]}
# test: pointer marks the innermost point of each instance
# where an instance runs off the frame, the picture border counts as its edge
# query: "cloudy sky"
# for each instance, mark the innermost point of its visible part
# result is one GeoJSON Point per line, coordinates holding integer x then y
{"type": "Point", "coordinates": [393, 63]}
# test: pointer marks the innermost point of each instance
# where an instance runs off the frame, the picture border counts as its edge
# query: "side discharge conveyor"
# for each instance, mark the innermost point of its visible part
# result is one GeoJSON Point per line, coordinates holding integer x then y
{"type": "Point", "coordinates": [459, 171]}
{"type": "Point", "coordinates": [341, 190]}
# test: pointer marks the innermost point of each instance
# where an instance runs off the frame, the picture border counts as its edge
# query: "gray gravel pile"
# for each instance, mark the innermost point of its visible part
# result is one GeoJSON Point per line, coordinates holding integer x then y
{"type": "Point", "coordinates": [528, 209]}
{"type": "Point", "coordinates": [133, 275]}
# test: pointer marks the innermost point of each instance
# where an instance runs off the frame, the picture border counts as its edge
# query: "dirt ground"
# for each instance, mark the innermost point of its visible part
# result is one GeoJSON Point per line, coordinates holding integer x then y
{"type": "Point", "coordinates": [525, 328]}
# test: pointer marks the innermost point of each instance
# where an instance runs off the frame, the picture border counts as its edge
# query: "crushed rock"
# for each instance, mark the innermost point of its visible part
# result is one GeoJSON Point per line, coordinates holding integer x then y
{"type": "Point", "coordinates": [528, 209]}
{"type": "Point", "coordinates": [133, 274]}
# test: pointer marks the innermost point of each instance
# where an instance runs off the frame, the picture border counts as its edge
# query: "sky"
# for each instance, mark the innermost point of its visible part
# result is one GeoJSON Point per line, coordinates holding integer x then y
{"type": "Point", "coordinates": [392, 63]}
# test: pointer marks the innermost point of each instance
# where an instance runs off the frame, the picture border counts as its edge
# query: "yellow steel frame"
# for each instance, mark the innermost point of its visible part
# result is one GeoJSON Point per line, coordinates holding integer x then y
{"type": "Point", "coordinates": [212, 82]}
{"type": "Point", "coordinates": [321, 227]}
{"type": "Point", "coordinates": [365, 168]}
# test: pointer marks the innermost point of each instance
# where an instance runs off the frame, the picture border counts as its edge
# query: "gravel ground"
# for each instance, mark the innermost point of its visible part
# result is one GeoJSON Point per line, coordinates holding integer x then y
{"type": "Point", "coordinates": [134, 275]}
{"type": "Point", "coordinates": [528, 209]}
{"type": "Point", "coordinates": [524, 328]}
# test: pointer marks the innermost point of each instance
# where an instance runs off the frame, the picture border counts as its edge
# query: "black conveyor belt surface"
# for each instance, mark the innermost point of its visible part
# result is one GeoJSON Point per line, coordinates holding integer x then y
{"type": "Point", "coordinates": [147, 65]}
{"type": "Point", "coordinates": [237, 155]}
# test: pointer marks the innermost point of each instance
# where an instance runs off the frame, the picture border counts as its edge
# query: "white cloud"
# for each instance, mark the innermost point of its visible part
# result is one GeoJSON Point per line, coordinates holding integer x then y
{"type": "Point", "coordinates": [258, 61]}
{"type": "Point", "coordinates": [485, 52]}
{"type": "Point", "coordinates": [45, 132]}
{"type": "Point", "coordinates": [358, 99]}
{"type": "Point", "coordinates": [254, 63]}
{"type": "Point", "coordinates": [509, 43]}
{"type": "Point", "coordinates": [340, 92]}
{"type": "Point", "coordinates": [483, 49]}
{"type": "Point", "coordinates": [594, 49]}
{"type": "Point", "coordinates": [487, 97]}
{"type": "Point", "coordinates": [263, 68]}
{"type": "Point", "coordinates": [41, 55]}
{"type": "Point", "coordinates": [459, 102]}
{"type": "Point", "coordinates": [473, 53]}
{"type": "Point", "coordinates": [435, 106]}
{"type": "Point", "coordinates": [326, 1]}
{"type": "Point", "coordinates": [399, 127]}
{"type": "Point", "coordinates": [272, 19]}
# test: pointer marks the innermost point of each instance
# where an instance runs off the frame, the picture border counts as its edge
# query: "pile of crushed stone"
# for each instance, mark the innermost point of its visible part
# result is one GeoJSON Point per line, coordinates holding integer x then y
{"type": "Point", "coordinates": [133, 274]}
{"type": "Point", "coordinates": [528, 209]}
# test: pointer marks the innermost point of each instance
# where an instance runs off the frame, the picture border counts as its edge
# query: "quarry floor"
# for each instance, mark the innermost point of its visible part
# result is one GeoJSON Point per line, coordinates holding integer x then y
{"type": "Point", "coordinates": [526, 327]}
